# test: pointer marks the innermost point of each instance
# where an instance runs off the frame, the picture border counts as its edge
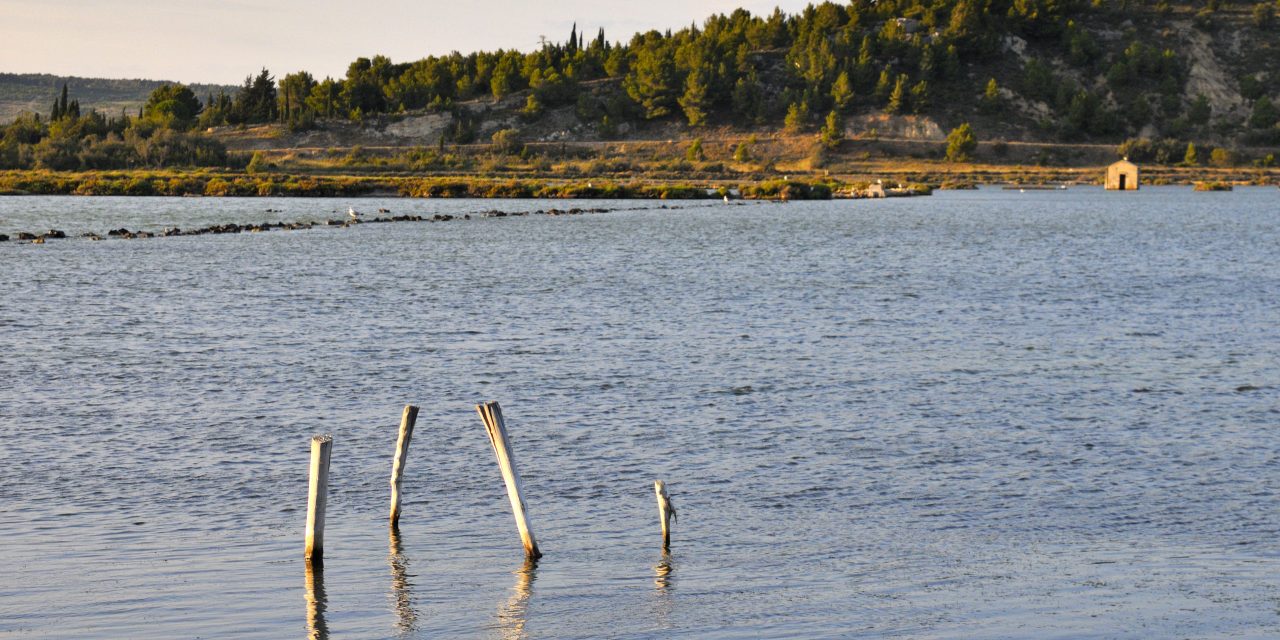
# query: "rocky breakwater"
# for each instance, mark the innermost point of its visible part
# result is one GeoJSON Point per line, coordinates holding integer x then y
{"type": "Point", "coordinates": [351, 221]}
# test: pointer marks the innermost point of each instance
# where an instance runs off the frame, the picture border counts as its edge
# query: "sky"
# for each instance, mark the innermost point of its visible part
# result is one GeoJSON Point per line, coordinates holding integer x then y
{"type": "Point", "coordinates": [224, 41]}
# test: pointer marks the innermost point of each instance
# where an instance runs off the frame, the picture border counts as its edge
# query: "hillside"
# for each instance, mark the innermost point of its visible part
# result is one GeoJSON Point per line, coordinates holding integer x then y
{"type": "Point", "coordinates": [1045, 82]}
{"type": "Point", "coordinates": [1027, 70]}
{"type": "Point", "coordinates": [36, 92]}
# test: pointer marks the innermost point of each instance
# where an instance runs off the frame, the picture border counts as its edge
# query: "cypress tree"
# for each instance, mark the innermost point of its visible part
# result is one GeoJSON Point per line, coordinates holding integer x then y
{"type": "Point", "coordinates": [62, 108]}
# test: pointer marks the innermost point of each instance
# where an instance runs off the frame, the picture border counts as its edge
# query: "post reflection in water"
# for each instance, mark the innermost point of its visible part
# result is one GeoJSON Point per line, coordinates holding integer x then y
{"type": "Point", "coordinates": [515, 614]}
{"type": "Point", "coordinates": [407, 617]}
{"type": "Point", "coordinates": [317, 629]}
{"type": "Point", "coordinates": [664, 585]}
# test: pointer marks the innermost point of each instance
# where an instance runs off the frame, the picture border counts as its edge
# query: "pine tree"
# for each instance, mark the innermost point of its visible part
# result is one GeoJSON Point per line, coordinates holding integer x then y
{"type": "Point", "coordinates": [842, 91]}
{"type": "Point", "coordinates": [694, 153]}
{"type": "Point", "coordinates": [652, 81]}
{"type": "Point", "coordinates": [573, 38]}
{"type": "Point", "coordinates": [1264, 114]}
{"type": "Point", "coordinates": [833, 131]}
{"type": "Point", "coordinates": [928, 63]}
{"type": "Point", "coordinates": [961, 143]}
{"type": "Point", "coordinates": [797, 117]}
{"type": "Point", "coordinates": [694, 101]}
{"type": "Point", "coordinates": [884, 85]}
{"type": "Point", "coordinates": [898, 97]}
{"type": "Point", "coordinates": [747, 98]}
{"type": "Point", "coordinates": [991, 97]}
{"type": "Point", "coordinates": [920, 97]}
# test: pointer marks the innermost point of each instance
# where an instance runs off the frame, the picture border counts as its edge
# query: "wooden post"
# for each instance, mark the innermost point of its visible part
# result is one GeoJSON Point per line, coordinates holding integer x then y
{"type": "Point", "coordinates": [318, 496]}
{"type": "Point", "coordinates": [407, 420]}
{"type": "Point", "coordinates": [491, 414]}
{"type": "Point", "coordinates": [666, 512]}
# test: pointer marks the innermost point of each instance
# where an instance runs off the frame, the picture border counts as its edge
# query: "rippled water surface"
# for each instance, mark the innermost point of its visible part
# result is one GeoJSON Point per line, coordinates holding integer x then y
{"type": "Point", "coordinates": [981, 414]}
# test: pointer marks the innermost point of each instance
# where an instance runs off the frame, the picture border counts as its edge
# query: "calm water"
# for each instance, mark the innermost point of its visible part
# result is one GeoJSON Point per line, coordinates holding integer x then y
{"type": "Point", "coordinates": [981, 414]}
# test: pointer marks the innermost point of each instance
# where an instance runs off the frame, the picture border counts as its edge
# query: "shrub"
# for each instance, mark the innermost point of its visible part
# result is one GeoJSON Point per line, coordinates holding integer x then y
{"type": "Point", "coordinates": [961, 143]}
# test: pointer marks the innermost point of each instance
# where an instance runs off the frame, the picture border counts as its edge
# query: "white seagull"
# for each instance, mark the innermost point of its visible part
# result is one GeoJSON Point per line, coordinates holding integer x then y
{"type": "Point", "coordinates": [352, 213]}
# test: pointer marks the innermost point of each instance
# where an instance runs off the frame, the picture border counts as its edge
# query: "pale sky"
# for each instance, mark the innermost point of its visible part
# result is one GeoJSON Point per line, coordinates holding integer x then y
{"type": "Point", "coordinates": [222, 42]}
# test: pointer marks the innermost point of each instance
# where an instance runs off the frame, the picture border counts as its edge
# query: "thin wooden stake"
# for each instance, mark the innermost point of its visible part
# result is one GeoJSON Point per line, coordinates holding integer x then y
{"type": "Point", "coordinates": [407, 420]}
{"type": "Point", "coordinates": [666, 512]}
{"type": "Point", "coordinates": [318, 496]}
{"type": "Point", "coordinates": [491, 414]}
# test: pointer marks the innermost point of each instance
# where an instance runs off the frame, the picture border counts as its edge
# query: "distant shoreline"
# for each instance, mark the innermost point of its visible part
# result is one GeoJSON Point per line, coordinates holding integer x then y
{"type": "Point", "coordinates": [915, 178]}
{"type": "Point", "coordinates": [203, 183]}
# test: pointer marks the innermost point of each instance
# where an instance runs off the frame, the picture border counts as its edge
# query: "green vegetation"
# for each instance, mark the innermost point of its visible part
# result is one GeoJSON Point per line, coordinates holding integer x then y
{"type": "Point", "coordinates": [961, 143]}
{"type": "Point", "coordinates": [860, 74]}
{"type": "Point", "coordinates": [897, 56]}
{"type": "Point", "coordinates": [70, 140]}
{"type": "Point", "coordinates": [172, 183]}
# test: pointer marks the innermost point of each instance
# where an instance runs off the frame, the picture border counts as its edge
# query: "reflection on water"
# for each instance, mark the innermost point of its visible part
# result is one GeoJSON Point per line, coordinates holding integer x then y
{"type": "Point", "coordinates": [513, 615]}
{"type": "Point", "coordinates": [664, 586]}
{"type": "Point", "coordinates": [662, 578]}
{"type": "Point", "coordinates": [406, 616]}
{"type": "Point", "coordinates": [317, 629]}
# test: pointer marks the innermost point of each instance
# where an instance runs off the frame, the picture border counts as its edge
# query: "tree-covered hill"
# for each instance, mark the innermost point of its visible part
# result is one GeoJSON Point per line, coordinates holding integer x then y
{"type": "Point", "coordinates": [35, 92]}
{"type": "Point", "coordinates": [1153, 75]}
{"type": "Point", "coordinates": [1065, 70]}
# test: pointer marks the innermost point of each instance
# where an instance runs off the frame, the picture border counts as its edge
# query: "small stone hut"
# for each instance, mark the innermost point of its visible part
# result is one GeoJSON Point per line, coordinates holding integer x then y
{"type": "Point", "coordinates": [1122, 176]}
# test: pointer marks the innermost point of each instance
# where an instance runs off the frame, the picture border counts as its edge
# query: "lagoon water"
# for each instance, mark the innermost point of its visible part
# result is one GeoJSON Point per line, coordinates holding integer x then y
{"type": "Point", "coordinates": [981, 414]}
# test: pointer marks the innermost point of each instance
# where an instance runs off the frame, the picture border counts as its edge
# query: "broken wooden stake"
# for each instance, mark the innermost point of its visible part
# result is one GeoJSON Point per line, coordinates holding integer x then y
{"type": "Point", "coordinates": [407, 420]}
{"type": "Point", "coordinates": [666, 512]}
{"type": "Point", "coordinates": [491, 414]}
{"type": "Point", "coordinates": [318, 496]}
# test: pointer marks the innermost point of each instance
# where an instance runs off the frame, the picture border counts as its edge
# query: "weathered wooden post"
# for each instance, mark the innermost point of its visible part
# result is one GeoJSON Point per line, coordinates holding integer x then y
{"type": "Point", "coordinates": [407, 420]}
{"type": "Point", "coordinates": [491, 414]}
{"type": "Point", "coordinates": [318, 496]}
{"type": "Point", "coordinates": [666, 512]}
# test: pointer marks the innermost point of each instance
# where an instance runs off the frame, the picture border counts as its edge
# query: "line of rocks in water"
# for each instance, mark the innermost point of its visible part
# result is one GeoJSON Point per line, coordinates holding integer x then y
{"type": "Point", "coordinates": [232, 227]}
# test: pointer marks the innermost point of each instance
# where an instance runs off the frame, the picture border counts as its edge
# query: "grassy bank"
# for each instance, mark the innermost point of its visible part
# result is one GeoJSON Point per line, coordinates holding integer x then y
{"type": "Point", "coordinates": [239, 184]}
{"type": "Point", "coordinates": [290, 175]}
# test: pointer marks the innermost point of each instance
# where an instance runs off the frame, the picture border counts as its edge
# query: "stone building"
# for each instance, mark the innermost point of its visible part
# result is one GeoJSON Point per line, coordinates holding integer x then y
{"type": "Point", "coordinates": [1122, 176]}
